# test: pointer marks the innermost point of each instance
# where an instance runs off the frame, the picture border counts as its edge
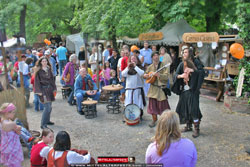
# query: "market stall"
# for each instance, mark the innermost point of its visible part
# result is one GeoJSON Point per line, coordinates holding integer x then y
{"type": "Point", "coordinates": [220, 66]}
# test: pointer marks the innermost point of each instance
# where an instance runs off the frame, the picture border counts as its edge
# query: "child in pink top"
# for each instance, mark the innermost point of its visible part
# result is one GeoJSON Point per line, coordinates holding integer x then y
{"type": "Point", "coordinates": [11, 149]}
{"type": "Point", "coordinates": [106, 73]}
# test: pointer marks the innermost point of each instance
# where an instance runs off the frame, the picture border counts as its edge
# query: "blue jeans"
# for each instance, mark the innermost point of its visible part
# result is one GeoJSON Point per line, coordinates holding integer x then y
{"type": "Point", "coordinates": [62, 63]}
{"type": "Point", "coordinates": [46, 113]}
{"type": "Point", "coordinates": [37, 103]}
{"type": "Point", "coordinates": [71, 96]}
{"type": "Point", "coordinates": [25, 135]}
{"type": "Point", "coordinates": [123, 84]}
{"type": "Point", "coordinates": [80, 96]}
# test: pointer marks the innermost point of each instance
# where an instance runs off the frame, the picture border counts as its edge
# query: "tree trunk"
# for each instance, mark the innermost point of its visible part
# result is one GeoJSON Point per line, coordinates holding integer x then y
{"type": "Point", "coordinates": [22, 21]}
{"type": "Point", "coordinates": [113, 38]}
{"type": "Point", "coordinates": [213, 11]}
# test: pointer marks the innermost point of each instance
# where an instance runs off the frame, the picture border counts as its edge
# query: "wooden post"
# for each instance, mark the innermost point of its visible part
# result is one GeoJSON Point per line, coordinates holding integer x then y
{"type": "Point", "coordinates": [85, 40]}
{"type": "Point", "coordinates": [5, 66]}
{"type": "Point", "coordinates": [97, 63]}
{"type": "Point", "coordinates": [98, 67]}
{"type": "Point", "coordinates": [19, 54]}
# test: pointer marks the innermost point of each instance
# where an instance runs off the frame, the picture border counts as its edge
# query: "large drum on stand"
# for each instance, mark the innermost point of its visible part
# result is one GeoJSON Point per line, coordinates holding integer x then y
{"type": "Point", "coordinates": [132, 114]}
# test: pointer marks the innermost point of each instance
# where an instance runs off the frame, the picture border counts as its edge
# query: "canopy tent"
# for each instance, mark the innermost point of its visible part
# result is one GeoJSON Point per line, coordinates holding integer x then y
{"type": "Point", "coordinates": [74, 42]}
{"type": "Point", "coordinates": [12, 42]}
{"type": "Point", "coordinates": [172, 34]}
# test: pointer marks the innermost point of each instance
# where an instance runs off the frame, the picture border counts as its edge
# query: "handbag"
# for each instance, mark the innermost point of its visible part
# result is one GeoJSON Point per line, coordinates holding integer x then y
{"type": "Point", "coordinates": [67, 78]}
{"type": "Point", "coordinates": [13, 75]}
{"type": "Point", "coordinates": [166, 91]}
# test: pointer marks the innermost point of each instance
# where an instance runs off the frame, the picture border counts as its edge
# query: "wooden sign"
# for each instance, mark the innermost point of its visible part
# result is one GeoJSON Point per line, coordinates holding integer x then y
{"type": "Point", "coordinates": [240, 82]}
{"type": "Point", "coordinates": [151, 36]}
{"type": "Point", "coordinates": [206, 37]}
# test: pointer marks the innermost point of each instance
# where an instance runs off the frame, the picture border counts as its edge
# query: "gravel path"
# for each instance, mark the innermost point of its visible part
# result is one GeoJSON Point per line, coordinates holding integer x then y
{"type": "Point", "coordinates": [221, 143]}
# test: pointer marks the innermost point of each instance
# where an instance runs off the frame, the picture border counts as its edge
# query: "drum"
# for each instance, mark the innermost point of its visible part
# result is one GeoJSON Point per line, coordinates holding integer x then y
{"type": "Point", "coordinates": [132, 114]}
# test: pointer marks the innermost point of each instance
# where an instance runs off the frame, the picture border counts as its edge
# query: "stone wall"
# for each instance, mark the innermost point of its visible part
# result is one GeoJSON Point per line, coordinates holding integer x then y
{"type": "Point", "coordinates": [235, 104]}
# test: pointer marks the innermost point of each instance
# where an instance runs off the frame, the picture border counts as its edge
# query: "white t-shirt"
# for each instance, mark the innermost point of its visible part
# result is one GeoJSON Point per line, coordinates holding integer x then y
{"type": "Point", "coordinates": [92, 59]}
{"type": "Point", "coordinates": [23, 67]}
{"type": "Point", "coordinates": [119, 63]}
{"type": "Point", "coordinates": [72, 157]}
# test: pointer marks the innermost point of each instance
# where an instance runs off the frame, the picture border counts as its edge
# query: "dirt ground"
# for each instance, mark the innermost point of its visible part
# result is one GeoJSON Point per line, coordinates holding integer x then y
{"type": "Point", "coordinates": [221, 143]}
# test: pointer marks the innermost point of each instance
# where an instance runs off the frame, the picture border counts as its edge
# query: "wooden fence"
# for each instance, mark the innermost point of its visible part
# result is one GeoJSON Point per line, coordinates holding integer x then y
{"type": "Point", "coordinates": [16, 96]}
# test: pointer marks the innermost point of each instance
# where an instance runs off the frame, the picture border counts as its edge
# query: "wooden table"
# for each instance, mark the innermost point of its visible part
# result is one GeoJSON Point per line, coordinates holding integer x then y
{"type": "Point", "coordinates": [220, 87]}
{"type": "Point", "coordinates": [113, 102]}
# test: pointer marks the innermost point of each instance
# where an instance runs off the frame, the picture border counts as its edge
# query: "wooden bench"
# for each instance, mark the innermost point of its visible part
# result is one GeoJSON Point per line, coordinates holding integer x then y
{"type": "Point", "coordinates": [89, 107]}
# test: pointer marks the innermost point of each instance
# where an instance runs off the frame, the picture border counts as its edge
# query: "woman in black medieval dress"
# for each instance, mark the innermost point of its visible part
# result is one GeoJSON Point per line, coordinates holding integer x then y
{"type": "Point", "coordinates": [187, 83]}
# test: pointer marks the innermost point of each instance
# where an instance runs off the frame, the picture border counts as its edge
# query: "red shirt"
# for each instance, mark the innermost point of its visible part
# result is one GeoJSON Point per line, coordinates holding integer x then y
{"type": "Point", "coordinates": [16, 65]}
{"type": "Point", "coordinates": [35, 158]}
{"type": "Point", "coordinates": [124, 63]}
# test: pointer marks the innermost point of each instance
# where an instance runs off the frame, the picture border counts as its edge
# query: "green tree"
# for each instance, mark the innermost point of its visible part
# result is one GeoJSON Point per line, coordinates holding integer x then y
{"type": "Point", "coordinates": [243, 13]}
{"type": "Point", "coordinates": [31, 17]}
{"type": "Point", "coordinates": [203, 15]}
{"type": "Point", "coordinates": [114, 18]}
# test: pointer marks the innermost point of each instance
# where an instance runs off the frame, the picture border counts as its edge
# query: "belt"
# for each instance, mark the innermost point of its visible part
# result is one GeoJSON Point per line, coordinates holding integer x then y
{"type": "Point", "coordinates": [48, 86]}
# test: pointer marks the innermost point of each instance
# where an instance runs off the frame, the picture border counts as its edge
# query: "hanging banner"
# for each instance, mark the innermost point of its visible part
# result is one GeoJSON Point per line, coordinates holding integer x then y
{"type": "Point", "coordinates": [151, 36]}
{"type": "Point", "coordinates": [206, 37]}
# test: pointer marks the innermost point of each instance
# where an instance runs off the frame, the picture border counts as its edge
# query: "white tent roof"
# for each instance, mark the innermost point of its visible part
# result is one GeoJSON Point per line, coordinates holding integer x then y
{"type": "Point", "coordinates": [172, 34]}
{"type": "Point", "coordinates": [13, 41]}
{"type": "Point", "coordinates": [74, 42]}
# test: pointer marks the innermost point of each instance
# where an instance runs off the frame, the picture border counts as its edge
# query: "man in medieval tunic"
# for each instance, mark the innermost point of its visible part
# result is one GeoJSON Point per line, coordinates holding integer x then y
{"type": "Point", "coordinates": [158, 101]}
{"type": "Point", "coordinates": [134, 83]}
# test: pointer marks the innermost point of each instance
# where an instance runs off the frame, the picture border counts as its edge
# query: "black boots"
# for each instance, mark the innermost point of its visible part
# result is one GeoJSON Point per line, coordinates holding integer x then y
{"type": "Point", "coordinates": [188, 127]}
{"type": "Point", "coordinates": [196, 132]}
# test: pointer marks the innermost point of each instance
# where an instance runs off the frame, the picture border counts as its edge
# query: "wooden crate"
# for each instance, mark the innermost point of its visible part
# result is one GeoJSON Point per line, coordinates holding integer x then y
{"type": "Point", "coordinates": [233, 68]}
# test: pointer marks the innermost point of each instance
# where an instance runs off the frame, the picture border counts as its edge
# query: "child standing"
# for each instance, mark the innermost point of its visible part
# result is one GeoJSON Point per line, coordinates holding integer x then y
{"type": "Point", "coordinates": [106, 73]}
{"type": "Point", "coordinates": [113, 79]}
{"type": "Point", "coordinates": [11, 149]}
{"type": "Point", "coordinates": [35, 158]}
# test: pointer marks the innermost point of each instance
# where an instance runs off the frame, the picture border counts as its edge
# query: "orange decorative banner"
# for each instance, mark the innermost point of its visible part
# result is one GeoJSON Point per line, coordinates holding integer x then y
{"type": "Point", "coordinates": [205, 37]}
{"type": "Point", "coordinates": [151, 36]}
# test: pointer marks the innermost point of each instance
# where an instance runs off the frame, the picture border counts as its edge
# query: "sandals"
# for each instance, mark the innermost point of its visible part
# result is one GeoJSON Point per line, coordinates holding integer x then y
{"type": "Point", "coordinates": [152, 124]}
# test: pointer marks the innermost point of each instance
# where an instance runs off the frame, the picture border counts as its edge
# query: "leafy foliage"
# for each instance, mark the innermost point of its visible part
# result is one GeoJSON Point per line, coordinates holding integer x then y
{"type": "Point", "coordinates": [115, 17]}
{"type": "Point", "coordinates": [42, 16]}
{"type": "Point", "coordinates": [243, 12]}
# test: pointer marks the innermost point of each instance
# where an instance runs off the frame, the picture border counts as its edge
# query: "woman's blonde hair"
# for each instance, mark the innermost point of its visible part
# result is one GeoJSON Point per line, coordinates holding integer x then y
{"type": "Point", "coordinates": [167, 130]}
{"type": "Point", "coordinates": [82, 48]}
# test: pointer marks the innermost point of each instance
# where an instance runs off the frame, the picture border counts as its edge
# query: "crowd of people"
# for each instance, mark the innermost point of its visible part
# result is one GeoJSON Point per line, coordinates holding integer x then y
{"type": "Point", "coordinates": [129, 67]}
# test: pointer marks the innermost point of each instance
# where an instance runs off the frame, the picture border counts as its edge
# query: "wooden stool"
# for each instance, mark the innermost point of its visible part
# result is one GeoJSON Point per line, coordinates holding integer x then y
{"type": "Point", "coordinates": [113, 102]}
{"type": "Point", "coordinates": [89, 107]}
{"type": "Point", "coordinates": [65, 92]}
